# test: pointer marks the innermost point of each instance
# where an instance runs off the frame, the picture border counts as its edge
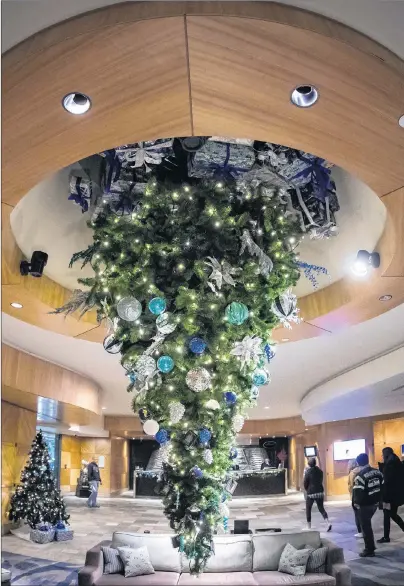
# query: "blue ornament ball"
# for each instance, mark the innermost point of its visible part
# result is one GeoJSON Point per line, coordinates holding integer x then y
{"type": "Point", "coordinates": [197, 472]}
{"type": "Point", "coordinates": [165, 364]}
{"type": "Point", "coordinates": [230, 397]}
{"type": "Point", "coordinates": [204, 435]}
{"type": "Point", "coordinates": [233, 453]}
{"type": "Point", "coordinates": [236, 313]}
{"type": "Point", "coordinates": [162, 436]}
{"type": "Point", "coordinates": [197, 345]}
{"type": "Point", "coordinates": [260, 377]}
{"type": "Point", "coordinates": [157, 305]}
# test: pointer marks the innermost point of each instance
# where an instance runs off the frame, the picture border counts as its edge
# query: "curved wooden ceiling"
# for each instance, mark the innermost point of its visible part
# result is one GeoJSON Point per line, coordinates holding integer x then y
{"type": "Point", "coordinates": [160, 69]}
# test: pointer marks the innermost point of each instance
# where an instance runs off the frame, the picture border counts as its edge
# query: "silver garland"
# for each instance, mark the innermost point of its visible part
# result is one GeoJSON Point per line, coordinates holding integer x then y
{"type": "Point", "coordinates": [220, 273]}
{"type": "Point", "coordinates": [265, 263]}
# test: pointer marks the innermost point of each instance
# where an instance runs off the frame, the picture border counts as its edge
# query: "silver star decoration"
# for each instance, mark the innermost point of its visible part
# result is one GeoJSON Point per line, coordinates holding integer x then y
{"type": "Point", "coordinates": [249, 350]}
{"type": "Point", "coordinates": [221, 273]}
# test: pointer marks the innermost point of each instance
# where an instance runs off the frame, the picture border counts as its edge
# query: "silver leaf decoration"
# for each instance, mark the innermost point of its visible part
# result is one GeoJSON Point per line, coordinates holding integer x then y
{"type": "Point", "coordinates": [265, 263]}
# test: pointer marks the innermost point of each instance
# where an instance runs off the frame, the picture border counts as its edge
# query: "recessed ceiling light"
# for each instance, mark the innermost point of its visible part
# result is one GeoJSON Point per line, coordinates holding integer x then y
{"type": "Point", "coordinates": [16, 305]}
{"type": "Point", "coordinates": [401, 121]}
{"type": "Point", "coordinates": [103, 408]}
{"type": "Point", "coordinates": [285, 339]}
{"type": "Point", "coordinates": [74, 427]}
{"type": "Point", "coordinates": [76, 103]}
{"type": "Point", "coordinates": [304, 96]}
{"type": "Point", "coordinates": [385, 297]}
{"type": "Point", "coordinates": [266, 407]}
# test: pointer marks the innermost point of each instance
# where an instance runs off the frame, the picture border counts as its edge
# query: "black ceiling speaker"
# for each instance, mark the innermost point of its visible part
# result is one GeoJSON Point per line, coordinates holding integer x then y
{"type": "Point", "coordinates": [36, 266]}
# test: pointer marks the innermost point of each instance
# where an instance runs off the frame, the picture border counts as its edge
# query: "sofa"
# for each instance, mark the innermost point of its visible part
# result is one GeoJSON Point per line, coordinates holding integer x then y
{"type": "Point", "coordinates": [245, 560]}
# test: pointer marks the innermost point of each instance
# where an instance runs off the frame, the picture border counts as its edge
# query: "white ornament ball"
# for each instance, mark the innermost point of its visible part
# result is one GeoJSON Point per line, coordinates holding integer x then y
{"type": "Point", "coordinates": [145, 366]}
{"type": "Point", "coordinates": [177, 411]}
{"type": "Point", "coordinates": [237, 423]}
{"type": "Point", "coordinates": [198, 379]}
{"type": "Point", "coordinates": [212, 404]}
{"type": "Point", "coordinates": [129, 309]}
{"type": "Point", "coordinates": [166, 323]}
{"type": "Point", "coordinates": [208, 456]}
{"type": "Point", "coordinates": [151, 427]}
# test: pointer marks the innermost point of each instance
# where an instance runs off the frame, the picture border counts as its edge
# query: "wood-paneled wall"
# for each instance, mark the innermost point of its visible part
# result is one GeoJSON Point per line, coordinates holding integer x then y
{"type": "Point", "coordinates": [388, 433]}
{"type": "Point", "coordinates": [28, 373]}
{"type": "Point", "coordinates": [114, 475]}
{"type": "Point", "coordinates": [18, 430]}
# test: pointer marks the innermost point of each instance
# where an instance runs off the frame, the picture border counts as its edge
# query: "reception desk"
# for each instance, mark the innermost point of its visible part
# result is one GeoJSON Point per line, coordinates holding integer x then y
{"type": "Point", "coordinates": [263, 483]}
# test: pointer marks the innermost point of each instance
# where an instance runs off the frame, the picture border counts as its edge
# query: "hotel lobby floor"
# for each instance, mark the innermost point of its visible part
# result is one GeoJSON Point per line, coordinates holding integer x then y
{"type": "Point", "coordinates": [127, 514]}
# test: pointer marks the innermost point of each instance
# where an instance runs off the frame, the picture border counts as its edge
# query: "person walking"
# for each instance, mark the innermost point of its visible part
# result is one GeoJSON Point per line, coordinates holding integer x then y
{"type": "Point", "coordinates": [353, 470]}
{"type": "Point", "coordinates": [392, 492]}
{"type": "Point", "coordinates": [313, 485]}
{"type": "Point", "coordinates": [94, 480]}
{"type": "Point", "coordinates": [366, 495]}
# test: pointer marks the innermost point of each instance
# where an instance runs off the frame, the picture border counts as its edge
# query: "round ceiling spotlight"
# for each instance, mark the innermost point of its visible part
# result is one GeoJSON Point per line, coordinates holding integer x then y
{"type": "Point", "coordinates": [364, 261]}
{"type": "Point", "coordinates": [76, 103]}
{"type": "Point", "coordinates": [304, 96]}
{"type": "Point", "coordinates": [385, 297]}
{"type": "Point", "coordinates": [401, 121]}
{"type": "Point", "coordinates": [16, 305]}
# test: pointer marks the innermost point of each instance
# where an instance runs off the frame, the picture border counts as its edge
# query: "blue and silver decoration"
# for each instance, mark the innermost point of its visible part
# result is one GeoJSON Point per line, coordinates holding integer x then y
{"type": "Point", "coordinates": [260, 377]}
{"type": "Point", "coordinates": [157, 305]}
{"type": "Point", "coordinates": [197, 345]}
{"type": "Point", "coordinates": [165, 364]}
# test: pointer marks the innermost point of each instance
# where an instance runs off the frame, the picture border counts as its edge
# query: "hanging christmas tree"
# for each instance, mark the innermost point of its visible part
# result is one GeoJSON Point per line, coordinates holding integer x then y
{"type": "Point", "coordinates": [187, 277]}
{"type": "Point", "coordinates": [37, 499]}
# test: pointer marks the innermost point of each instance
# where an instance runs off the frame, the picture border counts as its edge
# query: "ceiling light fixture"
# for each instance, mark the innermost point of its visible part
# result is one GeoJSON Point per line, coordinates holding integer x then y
{"type": "Point", "coordinates": [304, 96]}
{"type": "Point", "coordinates": [401, 121]}
{"type": "Point", "coordinates": [385, 297]}
{"type": "Point", "coordinates": [16, 305]}
{"type": "Point", "coordinates": [364, 260]}
{"type": "Point", "coordinates": [103, 408]}
{"type": "Point", "coordinates": [76, 103]}
{"type": "Point", "coordinates": [285, 339]}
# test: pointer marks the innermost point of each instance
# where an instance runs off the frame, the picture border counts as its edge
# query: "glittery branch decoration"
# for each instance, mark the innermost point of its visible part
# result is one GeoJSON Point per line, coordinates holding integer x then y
{"type": "Point", "coordinates": [265, 263]}
{"type": "Point", "coordinates": [311, 272]}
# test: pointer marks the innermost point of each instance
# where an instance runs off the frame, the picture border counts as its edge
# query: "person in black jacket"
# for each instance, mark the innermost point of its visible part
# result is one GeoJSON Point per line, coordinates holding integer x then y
{"type": "Point", "coordinates": [392, 492]}
{"type": "Point", "coordinates": [313, 485]}
{"type": "Point", "coordinates": [366, 495]}
{"type": "Point", "coordinates": [94, 480]}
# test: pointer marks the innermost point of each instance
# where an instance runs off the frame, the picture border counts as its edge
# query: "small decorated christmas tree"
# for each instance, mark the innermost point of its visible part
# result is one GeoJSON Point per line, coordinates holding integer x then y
{"type": "Point", "coordinates": [37, 499]}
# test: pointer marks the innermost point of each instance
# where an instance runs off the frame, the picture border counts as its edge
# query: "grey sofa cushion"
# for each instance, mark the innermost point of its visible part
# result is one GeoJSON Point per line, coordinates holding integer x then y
{"type": "Point", "coordinates": [278, 579]}
{"type": "Point", "coordinates": [294, 561]}
{"type": "Point", "coordinates": [269, 547]}
{"type": "Point", "coordinates": [136, 561]}
{"type": "Point", "coordinates": [113, 563]}
{"type": "Point", "coordinates": [317, 561]}
{"type": "Point", "coordinates": [217, 579]}
{"type": "Point", "coordinates": [157, 579]}
{"type": "Point", "coordinates": [163, 556]}
{"type": "Point", "coordinates": [233, 553]}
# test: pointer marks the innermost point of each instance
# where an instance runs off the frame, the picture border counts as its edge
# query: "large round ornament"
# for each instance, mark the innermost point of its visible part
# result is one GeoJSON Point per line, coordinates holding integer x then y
{"type": "Point", "coordinates": [208, 456]}
{"type": "Point", "coordinates": [166, 323]}
{"type": "Point", "coordinates": [111, 345]}
{"type": "Point", "coordinates": [260, 377]}
{"type": "Point", "coordinates": [212, 405]}
{"type": "Point", "coordinates": [145, 366]}
{"type": "Point", "coordinates": [197, 472]}
{"type": "Point", "coordinates": [236, 313]}
{"type": "Point", "coordinates": [237, 423]}
{"type": "Point", "coordinates": [165, 364]}
{"type": "Point", "coordinates": [233, 453]}
{"type": "Point", "coordinates": [177, 411]}
{"type": "Point", "coordinates": [151, 427]}
{"type": "Point", "coordinates": [230, 397]}
{"type": "Point", "coordinates": [197, 345]}
{"type": "Point", "coordinates": [162, 436]}
{"type": "Point", "coordinates": [198, 379]}
{"type": "Point", "coordinates": [157, 305]}
{"type": "Point", "coordinates": [204, 435]}
{"type": "Point", "coordinates": [129, 309]}
{"type": "Point", "coordinates": [143, 414]}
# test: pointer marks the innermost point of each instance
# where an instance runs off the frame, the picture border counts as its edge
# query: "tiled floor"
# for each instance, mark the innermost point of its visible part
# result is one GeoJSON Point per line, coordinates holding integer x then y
{"type": "Point", "coordinates": [126, 514]}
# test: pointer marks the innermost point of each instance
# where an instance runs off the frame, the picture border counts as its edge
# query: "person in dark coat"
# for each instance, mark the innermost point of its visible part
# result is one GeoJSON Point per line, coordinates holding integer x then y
{"type": "Point", "coordinates": [313, 485]}
{"type": "Point", "coordinates": [94, 480]}
{"type": "Point", "coordinates": [392, 492]}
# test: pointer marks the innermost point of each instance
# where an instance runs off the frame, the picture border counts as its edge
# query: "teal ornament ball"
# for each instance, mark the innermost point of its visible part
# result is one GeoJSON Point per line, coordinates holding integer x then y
{"type": "Point", "coordinates": [260, 377]}
{"type": "Point", "coordinates": [157, 305]}
{"type": "Point", "coordinates": [165, 364]}
{"type": "Point", "coordinates": [236, 313]}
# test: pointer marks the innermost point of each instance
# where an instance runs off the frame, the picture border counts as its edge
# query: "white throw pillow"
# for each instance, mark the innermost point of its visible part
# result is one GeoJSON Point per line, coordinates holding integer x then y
{"type": "Point", "coordinates": [136, 561]}
{"type": "Point", "coordinates": [294, 561]}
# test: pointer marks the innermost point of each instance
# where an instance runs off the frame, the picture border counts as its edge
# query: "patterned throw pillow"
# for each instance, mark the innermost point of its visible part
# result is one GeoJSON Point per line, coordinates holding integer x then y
{"type": "Point", "coordinates": [136, 561]}
{"type": "Point", "coordinates": [112, 561]}
{"type": "Point", "coordinates": [294, 561]}
{"type": "Point", "coordinates": [316, 563]}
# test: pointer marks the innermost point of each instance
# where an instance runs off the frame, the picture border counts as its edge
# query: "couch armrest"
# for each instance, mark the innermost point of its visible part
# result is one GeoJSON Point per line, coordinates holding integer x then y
{"type": "Point", "coordinates": [342, 574]}
{"type": "Point", "coordinates": [94, 565]}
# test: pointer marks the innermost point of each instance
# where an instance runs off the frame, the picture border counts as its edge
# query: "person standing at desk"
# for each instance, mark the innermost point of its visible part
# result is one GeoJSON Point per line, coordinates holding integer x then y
{"type": "Point", "coordinates": [266, 464]}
